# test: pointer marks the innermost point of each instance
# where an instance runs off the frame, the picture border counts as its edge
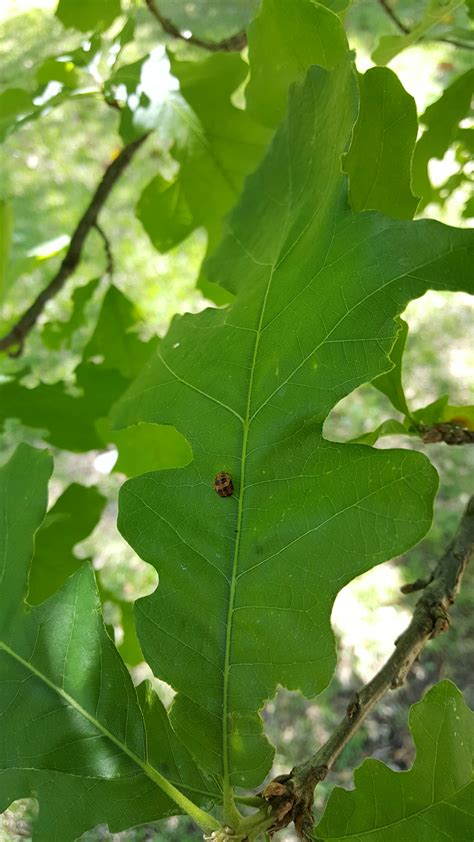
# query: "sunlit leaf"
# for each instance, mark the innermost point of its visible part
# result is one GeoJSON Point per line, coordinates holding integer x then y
{"type": "Point", "coordinates": [434, 800]}
{"type": "Point", "coordinates": [57, 70]}
{"type": "Point", "coordinates": [247, 582]}
{"type": "Point", "coordinates": [215, 144]}
{"type": "Point", "coordinates": [149, 447]}
{"type": "Point", "coordinates": [15, 103]}
{"type": "Point", "coordinates": [88, 14]}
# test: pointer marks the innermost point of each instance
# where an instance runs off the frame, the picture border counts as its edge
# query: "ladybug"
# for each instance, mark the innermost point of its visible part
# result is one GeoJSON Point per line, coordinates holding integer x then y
{"type": "Point", "coordinates": [223, 484]}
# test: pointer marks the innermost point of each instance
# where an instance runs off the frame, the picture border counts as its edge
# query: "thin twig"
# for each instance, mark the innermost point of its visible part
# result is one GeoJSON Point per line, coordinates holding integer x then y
{"type": "Point", "coordinates": [16, 336]}
{"type": "Point", "coordinates": [291, 796]}
{"type": "Point", "coordinates": [235, 43]}
{"type": "Point", "coordinates": [394, 17]}
{"type": "Point", "coordinates": [405, 30]}
{"type": "Point", "coordinates": [109, 266]}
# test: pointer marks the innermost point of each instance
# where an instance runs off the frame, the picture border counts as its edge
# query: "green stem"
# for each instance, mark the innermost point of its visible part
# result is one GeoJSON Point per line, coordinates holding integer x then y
{"type": "Point", "coordinates": [204, 820]}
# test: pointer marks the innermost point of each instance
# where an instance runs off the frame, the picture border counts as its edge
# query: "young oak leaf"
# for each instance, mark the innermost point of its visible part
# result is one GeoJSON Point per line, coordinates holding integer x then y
{"type": "Point", "coordinates": [247, 582]}
{"type": "Point", "coordinates": [72, 731]}
{"type": "Point", "coordinates": [433, 800]}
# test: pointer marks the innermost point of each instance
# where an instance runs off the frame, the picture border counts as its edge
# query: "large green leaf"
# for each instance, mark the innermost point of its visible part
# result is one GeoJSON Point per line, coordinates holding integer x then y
{"type": "Point", "coordinates": [379, 161]}
{"type": "Point", "coordinates": [72, 731]}
{"type": "Point", "coordinates": [433, 802]}
{"type": "Point", "coordinates": [441, 119]}
{"type": "Point", "coordinates": [284, 40]}
{"type": "Point", "coordinates": [247, 582]}
{"type": "Point", "coordinates": [72, 518]}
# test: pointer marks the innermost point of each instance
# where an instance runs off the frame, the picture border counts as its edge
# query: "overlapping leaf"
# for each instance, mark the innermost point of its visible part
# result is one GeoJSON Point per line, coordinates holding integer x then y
{"type": "Point", "coordinates": [73, 733]}
{"type": "Point", "coordinates": [247, 582]}
{"type": "Point", "coordinates": [299, 35]}
{"type": "Point", "coordinates": [379, 161]}
{"type": "Point", "coordinates": [72, 518]}
{"type": "Point", "coordinates": [215, 144]}
{"type": "Point", "coordinates": [433, 801]}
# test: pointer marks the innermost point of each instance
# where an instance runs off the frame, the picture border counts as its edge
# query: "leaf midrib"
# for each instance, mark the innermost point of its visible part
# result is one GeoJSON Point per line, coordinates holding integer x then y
{"type": "Point", "coordinates": [246, 426]}
{"type": "Point", "coordinates": [167, 785]}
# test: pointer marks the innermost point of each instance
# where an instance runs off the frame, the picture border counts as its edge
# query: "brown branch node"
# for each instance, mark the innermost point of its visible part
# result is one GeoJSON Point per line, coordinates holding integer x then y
{"type": "Point", "coordinates": [449, 433]}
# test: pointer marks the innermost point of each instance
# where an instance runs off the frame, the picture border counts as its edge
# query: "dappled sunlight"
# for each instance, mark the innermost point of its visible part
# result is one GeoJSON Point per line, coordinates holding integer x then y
{"type": "Point", "coordinates": [367, 620]}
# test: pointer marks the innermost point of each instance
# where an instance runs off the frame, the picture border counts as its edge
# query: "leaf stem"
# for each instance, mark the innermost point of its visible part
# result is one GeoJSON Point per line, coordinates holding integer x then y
{"type": "Point", "coordinates": [204, 820]}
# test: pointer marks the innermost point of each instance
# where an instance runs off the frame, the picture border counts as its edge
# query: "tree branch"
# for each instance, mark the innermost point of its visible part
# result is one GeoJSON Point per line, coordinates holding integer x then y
{"type": "Point", "coordinates": [291, 796]}
{"type": "Point", "coordinates": [109, 257]}
{"type": "Point", "coordinates": [453, 434]}
{"type": "Point", "coordinates": [16, 336]}
{"type": "Point", "coordinates": [235, 43]}
{"type": "Point", "coordinates": [406, 30]}
{"type": "Point", "coordinates": [394, 17]}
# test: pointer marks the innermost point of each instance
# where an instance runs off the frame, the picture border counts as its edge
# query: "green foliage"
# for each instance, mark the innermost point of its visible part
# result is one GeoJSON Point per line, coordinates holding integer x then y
{"type": "Point", "coordinates": [114, 355]}
{"type": "Point", "coordinates": [59, 667]}
{"type": "Point", "coordinates": [442, 120]}
{"type": "Point", "coordinates": [300, 346]}
{"type": "Point", "coordinates": [57, 334]}
{"type": "Point", "coordinates": [215, 144]}
{"type": "Point", "coordinates": [434, 800]}
{"type": "Point", "coordinates": [304, 181]}
{"type": "Point", "coordinates": [434, 12]}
